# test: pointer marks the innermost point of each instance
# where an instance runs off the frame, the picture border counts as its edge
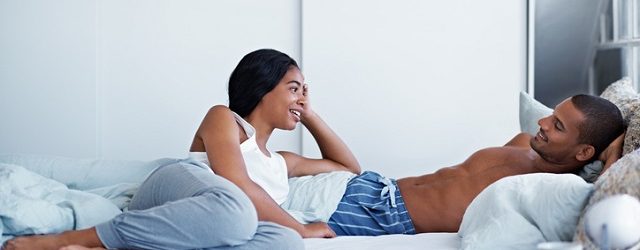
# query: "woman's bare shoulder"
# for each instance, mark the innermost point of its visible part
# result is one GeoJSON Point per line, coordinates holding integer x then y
{"type": "Point", "coordinates": [219, 112]}
{"type": "Point", "coordinates": [217, 117]}
{"type": "Point", "coordinates": [220, 109]}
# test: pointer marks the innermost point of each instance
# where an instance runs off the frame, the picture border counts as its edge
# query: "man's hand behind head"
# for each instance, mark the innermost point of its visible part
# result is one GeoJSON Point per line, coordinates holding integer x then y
{"type": "Point", "coordinates": [612, 153]}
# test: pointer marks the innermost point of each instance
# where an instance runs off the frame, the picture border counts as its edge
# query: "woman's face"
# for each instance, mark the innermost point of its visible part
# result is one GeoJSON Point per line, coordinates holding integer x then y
{"type": "Point", "coordinates": [282, 106]}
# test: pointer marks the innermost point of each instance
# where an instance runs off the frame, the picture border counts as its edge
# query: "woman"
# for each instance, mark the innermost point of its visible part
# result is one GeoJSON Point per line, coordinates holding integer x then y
{"type": "Point", "coordinates": [185, 206]}
{"type": "Point", "coordinates": [267, 91]}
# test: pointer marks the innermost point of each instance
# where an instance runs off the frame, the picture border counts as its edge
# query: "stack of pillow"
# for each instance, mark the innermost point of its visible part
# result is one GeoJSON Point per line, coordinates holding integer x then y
{"type": "Point", "coordinates": [536, 208]}
{"type": "Point", "coordinates": [624, 175]}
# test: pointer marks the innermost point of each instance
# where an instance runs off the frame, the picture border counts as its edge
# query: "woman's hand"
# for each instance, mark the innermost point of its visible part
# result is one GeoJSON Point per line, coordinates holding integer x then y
{"type": "Point", "coordinates": [307, 112]}
{"type": "Point", "coordinates": [336, 156]}
{"type": "Point", "coordinates": [318, 230]}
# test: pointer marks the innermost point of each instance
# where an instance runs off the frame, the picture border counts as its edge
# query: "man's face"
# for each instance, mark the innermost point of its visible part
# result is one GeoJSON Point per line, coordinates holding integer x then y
{"type": "Point", "coordinates": [557, 139]}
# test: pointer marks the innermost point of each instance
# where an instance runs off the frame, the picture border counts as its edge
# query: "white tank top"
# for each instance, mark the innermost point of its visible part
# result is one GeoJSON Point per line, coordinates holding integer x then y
{"type": "Point", "coordinates": [268, 172]}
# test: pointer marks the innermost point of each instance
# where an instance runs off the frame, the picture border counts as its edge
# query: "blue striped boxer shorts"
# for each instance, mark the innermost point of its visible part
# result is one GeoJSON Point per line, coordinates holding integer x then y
{"type": "Point", "coordinates": [371, 205]}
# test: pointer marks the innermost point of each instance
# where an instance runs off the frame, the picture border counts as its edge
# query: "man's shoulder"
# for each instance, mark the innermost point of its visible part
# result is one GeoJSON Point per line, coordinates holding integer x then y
{"type": "Point", "coordinates": [520, 140]}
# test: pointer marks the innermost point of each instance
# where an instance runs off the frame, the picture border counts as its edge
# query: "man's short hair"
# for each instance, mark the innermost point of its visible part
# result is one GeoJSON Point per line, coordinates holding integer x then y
{"type": "Point", "coordinates": [603, 121]}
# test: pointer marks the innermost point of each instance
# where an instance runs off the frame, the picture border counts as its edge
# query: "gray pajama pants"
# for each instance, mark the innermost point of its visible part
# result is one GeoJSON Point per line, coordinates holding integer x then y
{"type": "Point", "coordinates": [184, 206]}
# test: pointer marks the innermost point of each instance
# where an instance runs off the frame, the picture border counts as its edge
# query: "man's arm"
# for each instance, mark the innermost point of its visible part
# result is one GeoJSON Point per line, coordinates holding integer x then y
{"type": "Point", "coordinates": [612, 153]}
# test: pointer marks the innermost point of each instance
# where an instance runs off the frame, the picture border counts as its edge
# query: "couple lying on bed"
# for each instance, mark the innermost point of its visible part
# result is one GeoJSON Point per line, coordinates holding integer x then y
{"type": "Point", "coordinates": [185, 206]}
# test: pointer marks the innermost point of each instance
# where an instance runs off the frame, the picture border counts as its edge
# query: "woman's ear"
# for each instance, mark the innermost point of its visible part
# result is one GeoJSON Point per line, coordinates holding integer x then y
{"type": "Point", "coordinates": [585, 153]}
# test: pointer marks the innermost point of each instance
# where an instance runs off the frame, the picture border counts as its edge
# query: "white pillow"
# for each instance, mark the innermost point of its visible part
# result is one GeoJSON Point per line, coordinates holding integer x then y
{"type": "Point", "coordinates": [86, 173]}
{"type": "Point", "coordinates": [530, 112]}
{"type": "Point", "coordinates": [518, 212]}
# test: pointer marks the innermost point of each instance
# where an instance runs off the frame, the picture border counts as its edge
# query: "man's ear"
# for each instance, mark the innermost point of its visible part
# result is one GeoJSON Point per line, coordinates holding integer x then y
{"type": "Point", "coordinates": [585, 153]}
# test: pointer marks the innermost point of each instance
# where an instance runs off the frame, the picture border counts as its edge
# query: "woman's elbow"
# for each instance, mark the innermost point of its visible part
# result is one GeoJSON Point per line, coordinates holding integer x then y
{"type": "Point", "coordinates": [355, 168]}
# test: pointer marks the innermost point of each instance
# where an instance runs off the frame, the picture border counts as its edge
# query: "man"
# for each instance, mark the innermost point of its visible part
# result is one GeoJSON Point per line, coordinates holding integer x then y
{"type": "Point", "coordinates": [581, 129]}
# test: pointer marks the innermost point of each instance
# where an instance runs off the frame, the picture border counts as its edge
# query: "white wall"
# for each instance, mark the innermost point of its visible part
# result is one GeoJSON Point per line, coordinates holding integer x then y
{"type": "Point", "coordinates": [47, 75]}
{"type": "Point", "coordinates": [413, 86]}
{"type": "Point", "coordinates": [410, 85]}
{"type": "Point", "coordinates": [127, 79]}
{"type": "Point", "coordinates": [162, 65]}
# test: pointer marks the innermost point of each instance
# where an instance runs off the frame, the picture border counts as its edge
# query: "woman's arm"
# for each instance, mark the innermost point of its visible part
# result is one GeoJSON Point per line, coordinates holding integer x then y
{"type": "Point", "coordinates": [221, 137]}
{"type": "Point", "coordinates": [335, 153]}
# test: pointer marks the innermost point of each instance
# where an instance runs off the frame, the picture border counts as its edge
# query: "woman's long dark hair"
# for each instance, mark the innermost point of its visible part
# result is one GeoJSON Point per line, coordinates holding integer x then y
{"type": "Point", "coordinates": [256, 74]}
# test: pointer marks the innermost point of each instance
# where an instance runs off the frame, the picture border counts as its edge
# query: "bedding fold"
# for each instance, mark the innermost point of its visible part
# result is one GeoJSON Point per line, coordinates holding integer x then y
{"type": "Point", "coordinates": [315, 198]}
{"type": "Point", "coordinates": [33, 204]}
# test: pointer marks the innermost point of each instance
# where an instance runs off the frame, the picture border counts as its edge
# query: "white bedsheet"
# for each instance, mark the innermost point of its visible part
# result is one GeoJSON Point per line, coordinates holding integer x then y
{"type": "Point", "coordinates": [435, 241]}
{"type": "Point", "coordinates": [96, 175]}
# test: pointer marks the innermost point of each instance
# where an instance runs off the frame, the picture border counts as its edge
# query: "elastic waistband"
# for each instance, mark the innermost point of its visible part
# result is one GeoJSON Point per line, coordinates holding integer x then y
{"type": "Point", "coordinates": [391, 193]}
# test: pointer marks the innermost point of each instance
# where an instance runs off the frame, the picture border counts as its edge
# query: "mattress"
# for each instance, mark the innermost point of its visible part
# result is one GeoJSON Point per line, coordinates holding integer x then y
{"type": "Point", "coordinates": [438, 241]}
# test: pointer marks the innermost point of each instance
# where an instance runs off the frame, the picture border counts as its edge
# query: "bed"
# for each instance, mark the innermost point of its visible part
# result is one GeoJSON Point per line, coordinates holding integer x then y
{"type": "Point", "coordinates": [49, 194]}
{"type": "Point", "coordinates": [441, 241]}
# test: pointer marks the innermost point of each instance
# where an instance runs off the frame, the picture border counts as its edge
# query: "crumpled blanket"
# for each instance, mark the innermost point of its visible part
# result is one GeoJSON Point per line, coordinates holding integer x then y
{"type": "Point", "coordinates": [42, 194]}
{"type": "Point", "coordinates": [33, 204]}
